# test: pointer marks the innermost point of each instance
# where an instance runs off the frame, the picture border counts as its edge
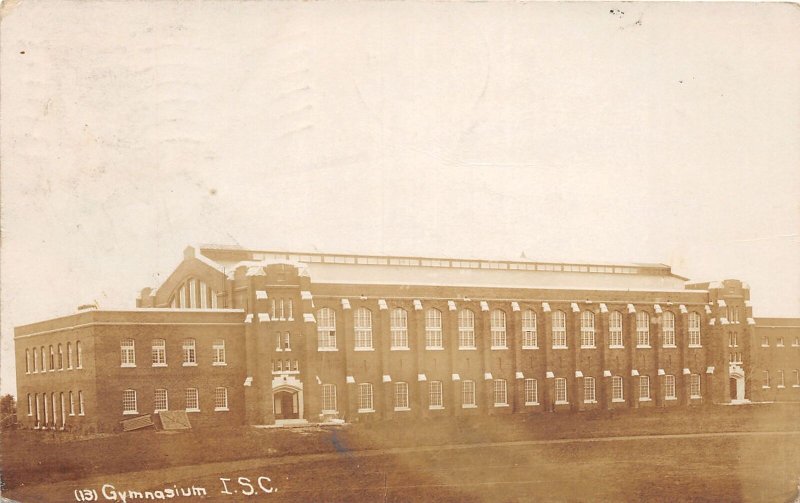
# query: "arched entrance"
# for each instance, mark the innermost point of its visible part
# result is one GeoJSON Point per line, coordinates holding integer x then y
{"type": "Point", "coordinates": [287, 398]}
{"type": "Point", "coordinates": [736, 384]}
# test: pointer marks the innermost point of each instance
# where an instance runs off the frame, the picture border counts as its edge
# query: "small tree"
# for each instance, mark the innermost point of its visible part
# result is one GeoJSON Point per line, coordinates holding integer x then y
{"type": "Point", "coordinates": [8, 405]}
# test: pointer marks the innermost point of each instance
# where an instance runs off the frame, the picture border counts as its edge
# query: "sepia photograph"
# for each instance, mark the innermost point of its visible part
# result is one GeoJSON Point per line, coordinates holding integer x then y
{"type": "Point", "coordinates": [399, 251]}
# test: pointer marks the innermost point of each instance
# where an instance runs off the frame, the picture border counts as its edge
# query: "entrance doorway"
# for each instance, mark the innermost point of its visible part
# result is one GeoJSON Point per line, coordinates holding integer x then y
{"type": "Point", "coordinates": [286, 405]}
{"type": "Point", "coordinates": [736, 388]}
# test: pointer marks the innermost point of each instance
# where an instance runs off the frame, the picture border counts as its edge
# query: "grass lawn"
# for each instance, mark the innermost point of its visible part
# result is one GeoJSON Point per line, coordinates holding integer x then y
{"type": "Point", "coordinates": [745, 468]}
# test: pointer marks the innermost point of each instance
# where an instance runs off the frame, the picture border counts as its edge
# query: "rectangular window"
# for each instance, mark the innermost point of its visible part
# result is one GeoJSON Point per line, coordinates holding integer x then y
{"type": "Point", "coordinates": [60, 358]}
{"type": "Point", "coordinates": [192, 400]}
{"type": "Point", "coordinates": [559, 330]}
{"type": "Point", "coordinates": [780, 342]}
{"type": "Point", "coordinates": [497, 323]}
{"type": "Point", "coordinates": [160, 401]}
{"type": "Point", "coordinates": [668, 329]}
{"type": "Point", "coordinates": [435, 395]}
{"type": "Point", "coordinates": [398, 326]}
{"type": "Point", "coordinates": [530, 340]}
{"type": "Point", "coordinates": [401, 396]}
{"type": "Point", "coordinates": [189, 353]}
{"type": "Point", "coordinates": [694, 330]}
{"type": "Point", "coordinates": [694, 385]}
{"type": "Point", "coordinates": [781, 383]}
{"type": "Point", "coordinates": [52, 360]}
{"type": "Point", "coordinates": [71, 404]}
{"type": "Point", "coordinates": [218, 350]}
{"type": "Point", "coordinates": [287, 342]}
{"type": "Point", "coordinates": [363, 328]}
{"type": "Point", "coordinates": [27, 362]}
{"type": "Point", "coordinates": [561, 390]}
{"type": "Point", "coordinates": [203, 295]}
{"type": "Point", "coordinates": [159, 353]}
{"type": "Point", "coordinates": [531, 392]}
{"type": "Point", "coordinates": [669, 387]}
{"type": "Point", "coordinates": [466, 329]}
{"type": "Point", "coordinates": [617, 389]}
{"type": "Point", "coordinates": [30, 405]}
{"type": "Point", "coordinates": [69, 356]}
{"type": "Point", "coordinates": [35, 360]}
{"type": "Point", "coordinates": [79, 354]}
{"type": "Point", "coordinates": [642, 330]}
{"type": "Point", "coordinates": [500, 393]}
{"type": "Point", "coordinates": [587, 329]}
{"type": "Point", "coordinates": [796, 378]}
{"type": "Point", "coordinates": [329, 399]}
{"type": "Point", "coordinates": [615, 330]}
{"type": "Point", "coordinates": [291, 310]}
{"type": "Point", "coordinates": [127, 353]}
{"type": "Point", "coordinates": [81, 407]}
{"type": "Point", "coordinates": [221, 399]}
{"type": "Point", "coordinates": [365, 397]}
{"type": "Point", "coordinates": [644, 388]}
{"type": "Point", "coordinates": [467, 394]}
{"type": "Point", "coordinates": [193, 294]}
{"type": "Point", "coordinates": [433, 329]}
{"type": "Point", "coordinates": [326, 329]}
{"type": "Point", "coordinates": [129, 402]}
{"type": "Point", "coordinates": [588, 390]}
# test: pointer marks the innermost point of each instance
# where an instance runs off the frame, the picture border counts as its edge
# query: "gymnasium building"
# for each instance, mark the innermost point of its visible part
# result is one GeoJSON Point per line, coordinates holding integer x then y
{"type": "Point", "coordinates": [236, 336]}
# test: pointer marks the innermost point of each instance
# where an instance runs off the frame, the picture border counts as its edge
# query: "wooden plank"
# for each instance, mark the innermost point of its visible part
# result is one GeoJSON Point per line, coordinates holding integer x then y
{"type": "Point", "coordinates": [174, 420]}
{"type": "Point", "coordinates": [137, 423]}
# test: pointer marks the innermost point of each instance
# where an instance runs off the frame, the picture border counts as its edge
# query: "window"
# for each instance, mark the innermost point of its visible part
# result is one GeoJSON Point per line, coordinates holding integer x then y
{"type": "Point", "coordinates": [36, 404]}
{"type": "Point", "coordinates": [44, 405]}
{"type": "Point", "coordinates": [529, 337]}
{"type": "Point", "coordinates": [79, 355]}
{"type": "Point", "coordinates": [500, 393]}
{"type": "Point", "coordinates": [363, 328]}
{"type": "Point", "coordinates": [561, 390]}
{"type": "Point", "coordinates": [435, 395]}
{"type": "Point", "coordinates": [203, 295]}
{"type": "Point", "coordinates": [60, 358]}
{"type": "Point", "coordinates": [183, 297]}
{"type": "Point", "coordinates": [642, 330]}
{"type": "Point", "coordinates": [365, 397]}
{"type": "Point", "coordinates": [71, 404]}
{"type": "Point", "coordinates": [587, 329]}
{"type": "Point", "coordinates": [781, 383]}
{"type": "Point", "coordinates": [159, 353]}
{"type": "Point", "coordinates": [467, 394]}
{"type": "Point", "coordinates": [27, 362]}
{"type": "Point", "coordinates": [559, 330]}
{"type": "Point", "coordinates": [433, 329]}
{"type": "Point", "coordinates": [466, 329]}
{"type": "Point", "coordinates": [616, 389]}
{"type": "Point", "coordinates": [796, 378]}
{"type": "Point", "coordinates": [588, 390]}
{"type": "Point", "coordinates": [290, 305]}
{"type": "Point", "coordinates": [193, 294]}
{"type": "Point", "coordinates": [52, 359]}
{"type": "Point", "coordinates": [287, 342]}
{"type": "Point", "coordinates": [733, 340]}
{"type": "Point", "coordinates": [694, 330]}
{"type": "Point", "coordinates": [160, 401]}
{"type": "Point", "coordinates": [644, 388]}
{"type": "Point", "coordinates": [192, 400]}
{"type": "Point", "coordinates": [189, 353]}
{"type": "Point", "coordinates": [531, 392]}
{"type": "Point", "coordinates": [69, 356]}
{"type": "Point", "coordinates": [401, 396]}
{"type": "Point", "coordinates": [765, 379]}
{"type": "Point", "coordinates": [694, 385]}
{"type": "Point", "coordinates": [780, 342]}
{"type": "Point", "coordinates": [764, 341]}
{"type": "Point", "coordinates": [615, 329]}
{"type": "Point", "coordinates": [30, 405]}
{"type": "Point", "coordinates": [796, 341]}
{"type": "Point", "coordinates": [668, 329]}
{"type": "Point", "coordinates": [221, 399]}
{"type": "Point", "coordinates": [129, 402]}
{"type": "Point", "coordinates": [498, 328]}
{"type": "Point", "coordinates": [398, 325]}
{"type": "Point", "coordinates": [326, 329]}
{"type": "Point", "coordinates": [669, 387]}
{"type": "Point", "coordinates": [81, 408]}
{"type": "Point", "coordinates": [35, 360]}
{"type": "Point", "coordinates": [127, 353]}
{"type": "Point", "coordinates": [63, 410]}
{"type": "Point", "coordinates": [218, 350]}
{"type": "Point", "coordinates": [329, 398]}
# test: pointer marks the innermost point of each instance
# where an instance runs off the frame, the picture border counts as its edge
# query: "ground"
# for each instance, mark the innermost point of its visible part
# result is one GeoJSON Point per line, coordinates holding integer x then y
{"type": "Point", "coordinates": [719, 453]}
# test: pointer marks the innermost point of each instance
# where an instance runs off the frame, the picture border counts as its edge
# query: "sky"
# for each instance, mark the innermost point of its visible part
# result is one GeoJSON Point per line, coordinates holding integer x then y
{"type": "Point", "coordinates": [630, 132]}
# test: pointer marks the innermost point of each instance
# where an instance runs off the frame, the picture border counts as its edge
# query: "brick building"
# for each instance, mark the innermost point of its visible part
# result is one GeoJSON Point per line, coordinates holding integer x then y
{"type": "Point", "coordinates": [238, 336]}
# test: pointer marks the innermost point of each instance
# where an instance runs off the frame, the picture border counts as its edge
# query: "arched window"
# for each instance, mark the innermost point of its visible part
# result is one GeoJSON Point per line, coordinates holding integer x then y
{"type": "Point", "coordinates": [79, 355]}
{"type": "Point", "coordinates": [433, 329]}
{"type": "Point", "coordinates": [398, 326]}
{"type": "Point", "coordinates": [35, 360]}
{"type": "Point", "coordinates": [694, 329]}
{"type": "Point", "coordinates": [587, 329]}
{"type": "Point", "coordinates": [52, 359]}
{"type": "Point", "coordinates": [363, 328]}
{"type": "Point", "coordinates": [559, 329]}
{"type": "Point", "coordinates": [615, 329]}
{"type": "Point", "coordinates": [498, 329]}
{"type": "Point", "coordinates": [69, 356]}
{"type": "Point", "coordinates": [530, 340]}
{"type": "Point", "coordinates": [642, 329]}
{"type": "Point", "coordinates": [326, 329]}
{"type": "Point", "coordinates": [60, 358]}
{"type": "Point", "coordinates": [129, 405]}
{"type": "Point", "coordinates": [127, 350]}
{"type": "Point", "coordinates": [466, 329]}
{"type": "Point", "coordinates": [668, 329]}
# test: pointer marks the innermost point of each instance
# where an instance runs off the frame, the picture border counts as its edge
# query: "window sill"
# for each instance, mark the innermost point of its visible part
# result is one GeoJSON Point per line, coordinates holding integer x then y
{"type": "Point", "coordinates": [764, 387]}
{"type": "Point", "coordinates": [434, 348]}
{"type": "Point", "coordinates": [402, 409]}
{"type": "Point", "coordinates": [695, 397]}
{"type": "Point", "coordinates": [531, 404]}
{"type": "Point", "coordinates": [435, 407]}
{"type": "Point", "coordinates": [695, 346]}
{"type": "Point", "coordinates": [497, 348]}
{"type": "Point", "coordinates": [590, 401]}
{"type": "Point", "coordinates": [159, 365]}
{"type": "Point", "coordinates": [530, 347]}
{"type": "Point", "coordinates": [327, 349]}
{"type": "Point", "coordinates": [72, 414]}
{"type": "Point", "coordinates": [130, 413]}
{"type": "Point", "coordinates": [795, 385]}
{"type": "Point", "coordinates": [219, 364]}
{"type": "Point", "coordinates": [617, 400]}
{"type": "Point", "coordinates": [615, 346]}
{"type": "Point", "coordinates": [501, 405]}
{"type": "Point", "coordinates": [645, 399]}
{"type": "Point", "coordinates": [671, 398]}
{"type": "Point", "coordinates": [669, 346]}
{"type": "Point", "coordinates": [560, 347]}
{"type": "Point", "coordinates": [780, 346]}
{"type": "Point", "coordinates": [192, 410]}
{"type": "Point", "coordinates": [221, 409]}
{"type": "Point", "coordinates": [366, 411]}
{"type": "Point", "coordinates": [399, 348]}
{"type": "Point", "coordinates": [330, 412]}
{"type": "Point", "coordinates": [81, 414]}
{"type": "Point", "coordinates": [780, 387]}
{"type": "Point", "coordinates": [559, 402]}
{"type": "Point", "coordinates": [125, 366]}
{"type": "Point", "coordinates": [467, 348]}
{"type": "Point", "coordinates": [588, 347]}
{"type": "Point", "coordinates": [160, 410]}
{"type": "Point", "coordinates": [190, 364]}
{"type": "Point", "coordinates": [363, 349]}
{"type": "Point", "coordinates": [643, 346]}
